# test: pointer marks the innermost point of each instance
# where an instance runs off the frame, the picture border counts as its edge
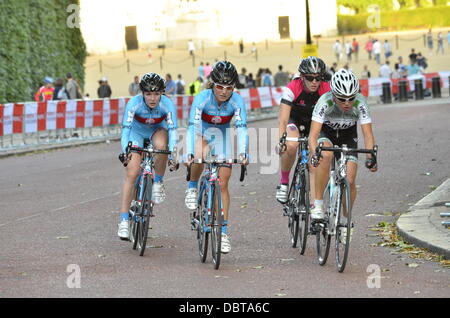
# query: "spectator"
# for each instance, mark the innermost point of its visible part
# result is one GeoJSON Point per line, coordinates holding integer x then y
{"type": "Point", "coordinates": [72, 88]}
{"type": "Point", "coordinates": [385, 70]}
{"type": "Point", "coordinates": [348, 51]}
{"type": "Point", "coordinates": [251, 83]}
{"type": "Point", "coordinates": [448, 39]}
{"type": "Point", "coordinates": [45, 92]}
{"type": "Point", "coordinates": [267, 78]}
{"type": "Point", "coordinates": [207, 70]}
{"type": "Point", "coordinates": [377, 51]}
{"type": "Point", "coordinates": [241, 46]}
{"type": "Point", "coordinates": [259, 77]}
{"type": "Point", "coordinates": [333, 69]}
{"type": "Point", "coordinates": [180, 85]}
{"type": "Point", "coordinates": [401, 67]}
{"type": "Point", "coordinates": [355, 47]}
{"type": "Point", "coordinates": [413, 56]}
{"type": "Point", "coordinates": [440, 41]}
{"type": "Point", "coordinates": [191, 47]}
{"type": "Point", "coordinates": [254, 48]}
{"type": "Point", "coordinates": [60, 91]}
{"type": "Point", "coordinates": [134, 88]}
{"type": "Point", "coordinates": [387, 49]}
{"type": "Point", "coordinates": [430, 41]}
{"type": "Point", "coordinates": [369, 48]}
{"type": "Point", "coordinates": [170, 85]}
{"type": "Point", "coordinates": [422, 61]}
{"type": "Point", "coordinates": [337, 48]}
{"type": "Point", "coordinates": [104, 90]}
{"type": "Point", "coordinates": [365, 73]}
{"type": "Point", "coordinates": [347, 67]}
{"type": "Point", "coordinates": [242, 79]}
{"type": "Point", "coordinates": [396, 74]}
{"type": "Point", "coordinates": [413, 68]}
{"type": "Point", "coordinates": [281, 79]}
{"type": "Point", "coordinates": [196, 86]}
{"type": "Point", "coordinates": [201, 70]}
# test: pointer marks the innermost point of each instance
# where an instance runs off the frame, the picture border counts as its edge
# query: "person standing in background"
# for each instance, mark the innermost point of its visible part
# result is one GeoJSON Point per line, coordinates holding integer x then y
{"type": "Point", "coordinates": [191, 47]}
{"type": "Point", "coordinates": [387, 49]}
{"type": "Point", "coordinates": [170, 85]}
{"type": "Point", "coordinates": [377, 51]}
{"type": "Point", "coordinates": [180, 86]}
{"type": "Point", "coordinates": [440, 41]}
{"type": "Point", "coordinates": [365, 74]}
{"type": "Point", "coordinates": [60, 91]}
{"type": "Point", "coordinates": [72, 87]}
{"type": "Point", "coordinates": [104, 90]}
{"type": "Point", "coordinates": [207, 70]}
{"type": "Point", "coordinates": [45, 92]}
{"type": "Point", "coordinates": [430, 42]}
{"type": "Point", "coordinates": [201, 70]}
{"type": "Point", "coordinates": [281, 78]}
{"type": "Point", "coordinates": [355, 47]}
{"type": "Point", "coordinates": [134, 89]}
{"type": "Point", "coordinates": [337, 48]}
{"type": "Point", "coordinates": [369, 48]}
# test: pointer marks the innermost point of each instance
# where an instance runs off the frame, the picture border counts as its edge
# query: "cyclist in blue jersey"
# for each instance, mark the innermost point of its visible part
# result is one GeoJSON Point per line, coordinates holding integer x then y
{"type": "Point", "coordinates": [150, 115]}
{"type": "Point", "coordinates": [209, 123]}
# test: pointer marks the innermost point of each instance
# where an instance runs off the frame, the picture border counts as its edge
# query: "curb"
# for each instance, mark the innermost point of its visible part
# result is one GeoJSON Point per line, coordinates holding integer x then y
{"type": "Point", "coordinates": [421, 225]}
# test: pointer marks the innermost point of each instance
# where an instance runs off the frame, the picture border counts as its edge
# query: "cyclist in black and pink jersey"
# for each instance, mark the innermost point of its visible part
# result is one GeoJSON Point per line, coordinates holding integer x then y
{"type": "Point", "coordinates": [297, 104]}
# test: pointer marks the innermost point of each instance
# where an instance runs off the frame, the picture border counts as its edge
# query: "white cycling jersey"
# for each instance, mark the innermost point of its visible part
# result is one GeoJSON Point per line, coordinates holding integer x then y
{"type": "Point", "coordinates": [329, 114]}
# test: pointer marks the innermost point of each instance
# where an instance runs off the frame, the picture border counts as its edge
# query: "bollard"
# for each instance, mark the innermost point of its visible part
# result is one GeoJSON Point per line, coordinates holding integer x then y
{"type": "Point", "coordinates": [402, 91]}
{"type": "Point", "coordinates": [436, 87]}
{"type": "Point", "coordinates": [418, 89]}
{"type": "Point", "coordinates": [387, 96]}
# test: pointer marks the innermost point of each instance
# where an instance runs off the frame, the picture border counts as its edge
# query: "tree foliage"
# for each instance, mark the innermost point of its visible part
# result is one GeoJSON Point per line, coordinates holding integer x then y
{"type": "Point", "coordinates": [361, 6]}
{"type": "Point", "coordinates": [35, 42]}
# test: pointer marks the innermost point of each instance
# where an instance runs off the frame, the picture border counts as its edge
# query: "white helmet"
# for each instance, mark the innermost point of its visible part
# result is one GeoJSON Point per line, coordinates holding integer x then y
{"type": "Point", "coordinates": [344, 83]}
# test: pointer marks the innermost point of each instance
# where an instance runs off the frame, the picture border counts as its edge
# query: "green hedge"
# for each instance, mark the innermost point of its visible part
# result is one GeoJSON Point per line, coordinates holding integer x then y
{"type": "Point", "coordinates": [397, 20]}
{"type": "Point", "coordinates": [35, 42]}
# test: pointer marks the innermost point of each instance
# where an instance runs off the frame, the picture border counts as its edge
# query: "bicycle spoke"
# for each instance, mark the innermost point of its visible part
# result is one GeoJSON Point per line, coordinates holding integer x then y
{"type": "Point", "coordinates": [344, 222]}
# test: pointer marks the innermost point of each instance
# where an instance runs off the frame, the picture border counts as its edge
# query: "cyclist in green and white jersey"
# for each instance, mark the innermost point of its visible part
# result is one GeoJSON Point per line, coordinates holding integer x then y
{"type": "Point", "coordinates": [334, 122]}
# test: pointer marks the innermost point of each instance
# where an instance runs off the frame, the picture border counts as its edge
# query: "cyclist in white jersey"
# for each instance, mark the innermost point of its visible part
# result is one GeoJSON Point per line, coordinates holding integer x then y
{"type": "Point", "coordinates": [334, 122]}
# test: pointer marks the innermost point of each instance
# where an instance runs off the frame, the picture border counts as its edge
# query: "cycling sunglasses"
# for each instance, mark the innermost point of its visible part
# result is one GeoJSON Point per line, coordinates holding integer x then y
{"type": "Point", "coordinates": [228, 88]}
{"type": "Point", "coordinates": [310, 78]}
{"type": "Point", "coordinates": [343, 100]}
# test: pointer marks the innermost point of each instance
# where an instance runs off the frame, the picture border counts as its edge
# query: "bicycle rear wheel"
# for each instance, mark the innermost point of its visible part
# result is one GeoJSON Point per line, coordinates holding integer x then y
{"type": "Point", "coordinates": [293, 211]}
{"type": "Point", "coordinates": [343, 243]}
{"type": "Point", "coordinates": [323, 238]}
{"type": "Point", "coordinates": [216, 224]}
{"type": "Point", "coordinates": [146, 210]}
{"type": "Point", "coordinates": [202, 233]}
{"type": "Point", "coordinates": [304, 211]}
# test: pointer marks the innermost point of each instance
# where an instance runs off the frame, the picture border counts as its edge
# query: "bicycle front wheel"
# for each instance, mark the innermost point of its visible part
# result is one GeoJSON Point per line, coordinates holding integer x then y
{"type": "Point", "coordinates": [323, 237]}
{"type": "Point", "coordinates": [344, 224]}
{"type": "Point", "coordinates": [293, 210]}
{"type": "Point", "coordinates": [134, 224]}
{"type": "Point", "coordinates": [202, 228]}
{"type": "Point", "coordinates": [146, 211]}
{"type": "Point", "coordinates": [304, 211]}
{"type": "Point", "coordinates": [216, 224]}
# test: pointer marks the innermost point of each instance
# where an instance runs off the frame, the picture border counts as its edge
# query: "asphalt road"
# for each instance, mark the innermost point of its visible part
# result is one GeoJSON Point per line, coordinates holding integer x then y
{"type": "Point", "coordinates": [61, 207]}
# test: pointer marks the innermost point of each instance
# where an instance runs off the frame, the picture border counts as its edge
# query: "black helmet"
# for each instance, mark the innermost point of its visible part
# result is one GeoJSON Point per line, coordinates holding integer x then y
{"type": "Point", "coordinates": [152, 82]}
{"type": "Point", "coordinates": [224, 73]}
{"type": "Point", "coordinates": [312, 65]}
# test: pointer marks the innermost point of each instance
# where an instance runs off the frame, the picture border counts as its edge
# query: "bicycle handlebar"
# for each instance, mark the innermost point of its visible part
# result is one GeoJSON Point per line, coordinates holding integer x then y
{"type": "Point", "coordinates": [215, 161]}
{"type": "Point", "coordinates": [130, 148]}
{"type": "Point", "coordinates": [370, 163]}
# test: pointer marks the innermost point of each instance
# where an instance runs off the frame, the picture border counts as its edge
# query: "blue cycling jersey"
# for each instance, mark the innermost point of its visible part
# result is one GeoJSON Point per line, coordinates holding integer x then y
{"type": "Point", "coordinates": [140, 121]}
{"type": "Point", "coordinates": [207, 117]}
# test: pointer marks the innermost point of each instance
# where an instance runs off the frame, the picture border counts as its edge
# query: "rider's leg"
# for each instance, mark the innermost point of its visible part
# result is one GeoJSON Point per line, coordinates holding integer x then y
{"type": "Point", "coordinates": [131, 174]}
{"type": "Point", "coordinates": [160, 140]}
{"type": "Point", "coordinates": [352, 168]}
{"type": "Point", "coordinates": [289, 156]}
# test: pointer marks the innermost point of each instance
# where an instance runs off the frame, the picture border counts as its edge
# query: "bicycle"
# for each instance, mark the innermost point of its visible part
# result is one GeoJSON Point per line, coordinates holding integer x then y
{"type": "Point", "coordinates": [337, 205]}
{"type": "Point", "coordinates": [208, 218]}
{"type": "Point", "coordinates": [141, 208]}
{"type": "Point", "coordinates": [298, 207]}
